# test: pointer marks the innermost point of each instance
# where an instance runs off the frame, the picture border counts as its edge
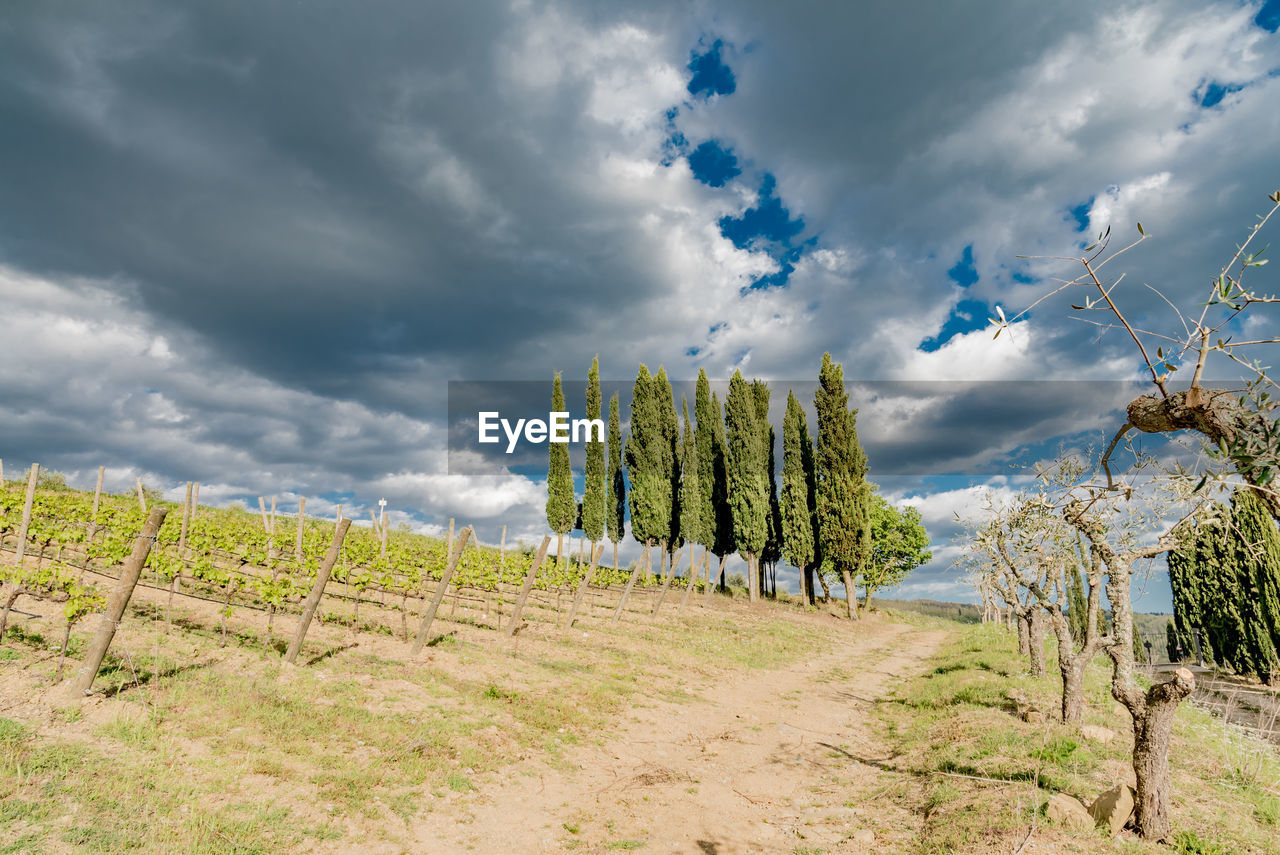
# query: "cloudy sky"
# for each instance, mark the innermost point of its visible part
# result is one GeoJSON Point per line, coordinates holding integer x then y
{"type": "Point", "coordinates": [249, 243]}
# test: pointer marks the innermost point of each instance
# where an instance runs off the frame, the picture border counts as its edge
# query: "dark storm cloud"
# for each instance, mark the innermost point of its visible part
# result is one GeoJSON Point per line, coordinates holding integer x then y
{"type": "Point", "coordinates": [253, 170]}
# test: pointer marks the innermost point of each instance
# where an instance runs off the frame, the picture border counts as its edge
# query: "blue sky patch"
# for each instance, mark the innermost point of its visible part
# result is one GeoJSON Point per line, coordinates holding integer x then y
{"type": "Point", "coordinates": [1213, 92]}
{"type": "Point", "coordinates": [964, 273]}
{"type": "Point", "coordinates": [1268, 16]}
{"type": "Point", "coordinates": [710, 75]}
{"type": "Point", "coordinates": [768, 227]}
{"type": "Point", "coordinates": [768, 221]}
{"type": "Point", "coordinates": [1080, 213]}
{"type": "Point", "coordinates": [967, 316]}
{"type": "Point", "coordinates": [713, 165]}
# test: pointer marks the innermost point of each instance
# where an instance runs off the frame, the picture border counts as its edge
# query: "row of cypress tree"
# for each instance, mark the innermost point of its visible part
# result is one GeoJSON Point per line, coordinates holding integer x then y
{"type": "Point", "coordinates": [1225, 576]}
{"type": "Point", "coordinates": [711, 480]}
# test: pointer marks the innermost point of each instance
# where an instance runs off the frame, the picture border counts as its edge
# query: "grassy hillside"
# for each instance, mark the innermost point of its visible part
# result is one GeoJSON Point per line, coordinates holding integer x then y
{"type": "Point", "coordinates": [982, 776]}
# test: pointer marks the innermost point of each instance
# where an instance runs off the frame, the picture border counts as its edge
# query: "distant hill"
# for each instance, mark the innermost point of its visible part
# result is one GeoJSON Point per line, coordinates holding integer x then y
{"type": "Point", "coordinates": [1148, 626]}
{"type": "Point", "coordinates": [959, 612]}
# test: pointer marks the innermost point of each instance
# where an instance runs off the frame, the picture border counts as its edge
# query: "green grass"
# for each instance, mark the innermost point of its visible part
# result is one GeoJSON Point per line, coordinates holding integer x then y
{"type": "Point", "coordinates": [955, 724]}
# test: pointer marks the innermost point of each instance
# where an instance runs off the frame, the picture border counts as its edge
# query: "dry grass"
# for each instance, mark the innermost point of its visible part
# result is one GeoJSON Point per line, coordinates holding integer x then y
{"type": "Point", "coordinates": [956, 725]}
{"type": "Point", "coordinates": [204, 749]}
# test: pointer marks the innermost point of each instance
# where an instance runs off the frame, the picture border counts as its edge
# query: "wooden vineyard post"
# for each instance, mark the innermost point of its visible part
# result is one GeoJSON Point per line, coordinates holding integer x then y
{"type": "Point", "coordinates": [302, 517]}
{"type": "Point", "coordinates": [711, 582]}
{"type": "Point", "coordinates": [425, 627]}
{"type": "Point", "coordinates": [262, 509]}
{"type": "Point", "coordinates": [195, 501]}
{"type": "Point", "coordinates": [26, 513]}
{"type": "Point", "coordinates": [381, 524]}
{"type": "Point", "coordinates": [186, 521]}
{"type": "Point", "coordinates": [596, 552]}
{"type": "Point", "coordinates": [666, 583]}
{"type": "Point", "coordinates": [529, 579]}
{"type": "Point", "coordinates": [631, 583]}
{"type": "Point", "coordinates": [317, 591]}
{"type": "Point", "coordinates": [142, 499]}
{"type": "Point", "coordinates": [116, 605]}
{"type": "Point", "coordinates": [97, 500]}
{"type": "Point", "coordinates": [502, 565]}
{"type": "Point", "coordinates": [693, 575]}
{"type": "Point", "coordinates": [1, 472]}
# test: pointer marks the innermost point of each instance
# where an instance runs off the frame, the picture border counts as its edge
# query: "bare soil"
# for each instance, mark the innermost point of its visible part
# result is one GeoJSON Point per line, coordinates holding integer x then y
{"type": "Point", "coordinates": [762, 762]}
{"type": "Point", "coordinates": [701, 759]}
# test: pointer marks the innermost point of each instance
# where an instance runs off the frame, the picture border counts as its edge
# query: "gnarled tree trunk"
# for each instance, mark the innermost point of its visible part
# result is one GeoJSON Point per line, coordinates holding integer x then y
{"type": "Point", "coordinates": [1035, 632]}
{"type": "Point", "coordinates": [1152, 710]}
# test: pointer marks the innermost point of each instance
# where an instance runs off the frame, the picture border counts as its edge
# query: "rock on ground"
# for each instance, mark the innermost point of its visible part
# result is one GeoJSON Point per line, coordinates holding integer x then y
{"type": "Point", "coordinates": [1112, 809]}
{"type": "Point", "coordinates": [1069, 812]}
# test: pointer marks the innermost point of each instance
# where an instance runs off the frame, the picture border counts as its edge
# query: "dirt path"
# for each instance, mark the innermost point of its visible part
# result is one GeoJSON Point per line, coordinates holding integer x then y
{"type": "Point", "coordinates": [767, 762]}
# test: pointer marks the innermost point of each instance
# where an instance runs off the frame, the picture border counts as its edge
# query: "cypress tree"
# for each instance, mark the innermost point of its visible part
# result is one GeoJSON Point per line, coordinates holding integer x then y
{"type": "Point", "coordinates": [1256, 545]}
{"type": "Point", "coordinates": [744, 452]}
{"type": "Point", "coordinates": [593, 493]}
{"type": "Point", "coordinates": [616, 502]}
{"type": "Point", "coordinates": [1188, 601]}
{"type": "Point", "coordinates": [797, 494]}
{"type": "Point", "coordinates": [638, 454]}
{"type": "Point", "coordinates": [707, 454]}
{"type": "Point", "coordinates": [649, 463]}
{"type": "Point", "coordinates": [692, 524]}
{"type": "Point", "coordinates": [768, 553]}
{"type": "Point", "coordinates": [669, 430]}
{"type": "Point", "coordinates": [562, 507]}
{"type": "Point", "coordinates": [1221, 594]}
{"type": "Point", "coordinates": [773, 541]}
{"type": "Point", "coordinates": [1260, 542]}
{"type": "Point", "coordinates": [843, 507]}
{"type": "Point", "coordinates": [722, 514]}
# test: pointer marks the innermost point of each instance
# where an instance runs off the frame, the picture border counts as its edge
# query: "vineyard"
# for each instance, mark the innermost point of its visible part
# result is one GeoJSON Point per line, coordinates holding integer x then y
{"type": "Point", "coordinates": [216, 745]}
{"type": "Point", "coordinates": [71, 545]}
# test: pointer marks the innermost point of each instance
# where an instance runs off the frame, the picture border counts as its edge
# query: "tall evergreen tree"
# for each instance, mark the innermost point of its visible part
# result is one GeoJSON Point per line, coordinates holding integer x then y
{"type": "Point", "coordinates": [616, 501]}
{"type": "Point", "coordinates": [1256, 542]}
{"type": "Point", "coordinates": [595, 489]}
{"type": "Point", "coordinates": [1223, 594]}
{"type": "Point", "coordinates": [669, 429]}
{"type": "Point", "coordinates": [649, 463]}
{"type": "Point", "coordinates": [1189, 616]}
{"type": "Point", "coordinates": [1218, 594]}
{"type": "Point", "coordinates": [844, 499]}
{"type": "Point", "coordinates": [692, 524]}
{"type": "Point", "coordinates": [773, 540]}
{"type": "Point", "coordinates": [722, 512]}
{"type": "Point", "coordinates": [748, 483]}
{"type": "Point", "coordinates": [562, 506]}
{"type": "Point", "coordinates": [796, 503]}
{"type": "Point", "coordinates": [707, 453]}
